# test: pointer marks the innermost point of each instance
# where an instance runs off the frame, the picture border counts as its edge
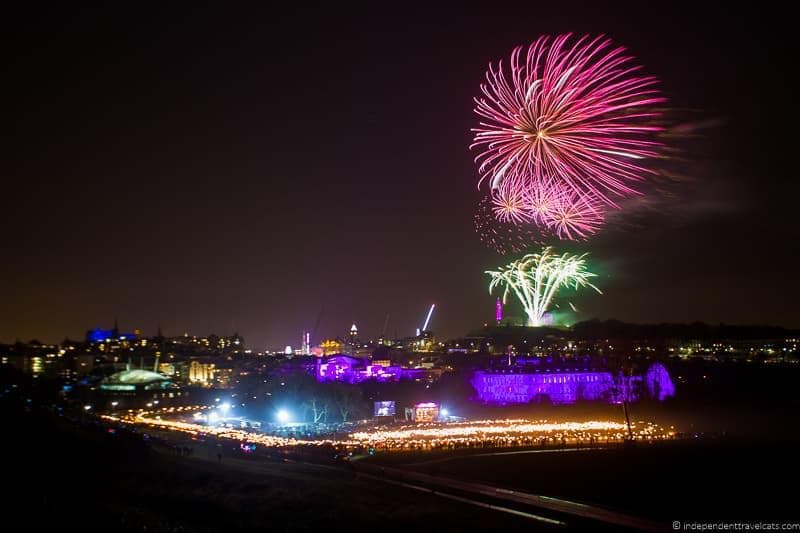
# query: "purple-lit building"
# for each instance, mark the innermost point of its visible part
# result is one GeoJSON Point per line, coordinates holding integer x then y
{"type": "Point", "coordinates": [519, 385]}
{"type": "Point", "coordinates": [347, 369]}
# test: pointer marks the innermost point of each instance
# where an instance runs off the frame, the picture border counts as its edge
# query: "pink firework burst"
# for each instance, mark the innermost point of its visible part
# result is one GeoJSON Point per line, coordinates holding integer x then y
{"type": "Point", "coordinates": [542, 202]}
{"type": "Point", "coordinates": [573, 217]}
{"type": "Point", "coordinates": [510, 206]}
{"type": "Point", "coordinates": [579, 114]}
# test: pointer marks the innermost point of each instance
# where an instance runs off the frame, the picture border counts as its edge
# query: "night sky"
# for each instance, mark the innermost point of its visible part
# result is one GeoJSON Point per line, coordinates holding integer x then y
{"type": "Point", "coordinates": [219, 170]}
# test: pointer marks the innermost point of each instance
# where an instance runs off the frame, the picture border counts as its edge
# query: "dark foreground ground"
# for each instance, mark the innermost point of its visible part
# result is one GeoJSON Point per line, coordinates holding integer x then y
{"type": "Point", "coordinates": [702, 479]}
{"type": "Point", "coordinates": [61, 476]}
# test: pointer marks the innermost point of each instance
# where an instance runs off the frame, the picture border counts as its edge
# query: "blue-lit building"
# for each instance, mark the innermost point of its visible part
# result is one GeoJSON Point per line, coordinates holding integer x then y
{"type": "Point", "coordinates": [104, 335]}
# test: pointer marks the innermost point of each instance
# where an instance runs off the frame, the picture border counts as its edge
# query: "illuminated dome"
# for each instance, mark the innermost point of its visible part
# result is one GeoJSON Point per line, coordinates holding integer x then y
{"type": "Point", "coordinates": [136, 377]}
{"type": "Point", "coordinates": [130, 380]}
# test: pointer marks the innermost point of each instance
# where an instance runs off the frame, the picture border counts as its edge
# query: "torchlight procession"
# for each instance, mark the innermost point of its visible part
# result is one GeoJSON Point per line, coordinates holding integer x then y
{"type": "Point", "coordinates": [434, 435]}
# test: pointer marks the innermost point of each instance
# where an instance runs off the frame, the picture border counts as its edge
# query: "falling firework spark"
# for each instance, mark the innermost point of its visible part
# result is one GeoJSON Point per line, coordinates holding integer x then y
{"type": "Point", "coordinates": [503, 237]}
{"type": "Point", "coordinates": [536, 278]}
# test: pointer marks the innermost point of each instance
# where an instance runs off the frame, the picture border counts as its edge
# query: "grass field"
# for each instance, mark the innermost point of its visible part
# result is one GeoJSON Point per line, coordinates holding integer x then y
{"type": "Point", "coordinates": [695, 479]}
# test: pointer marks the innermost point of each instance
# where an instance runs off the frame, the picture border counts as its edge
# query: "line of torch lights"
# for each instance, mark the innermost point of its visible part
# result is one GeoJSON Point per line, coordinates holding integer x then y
{"type": "Point", "coordinates": [494, 433]}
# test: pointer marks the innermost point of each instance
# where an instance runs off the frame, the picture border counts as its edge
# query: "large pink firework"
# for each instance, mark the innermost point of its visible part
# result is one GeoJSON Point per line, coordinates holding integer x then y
{"type": "Point", "coordinates": [579, 116]}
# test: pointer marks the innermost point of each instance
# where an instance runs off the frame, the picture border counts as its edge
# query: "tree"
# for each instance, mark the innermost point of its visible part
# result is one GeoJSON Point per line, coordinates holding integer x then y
{"type": "Point", "coordinates": [621, 372]}
{"type": "Point", "coordinates": [349, 400]}
{"type": "Point", "coordinates": [317, 402]}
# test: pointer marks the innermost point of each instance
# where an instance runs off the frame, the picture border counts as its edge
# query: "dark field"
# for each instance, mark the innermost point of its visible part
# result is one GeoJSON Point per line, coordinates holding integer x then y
{"type": "Point", "coordinates": [695, 479]}
{"type": "Point", "coordinates": [62, 475]}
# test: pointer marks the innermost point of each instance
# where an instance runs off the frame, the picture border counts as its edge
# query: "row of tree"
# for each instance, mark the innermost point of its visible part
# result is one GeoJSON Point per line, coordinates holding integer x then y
{"type": "Point", "coordinates": [318, 402]}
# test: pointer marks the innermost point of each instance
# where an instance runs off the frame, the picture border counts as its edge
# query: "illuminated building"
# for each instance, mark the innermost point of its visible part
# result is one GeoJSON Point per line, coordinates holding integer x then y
{"type": "Point", "coordinates": [201, 373]}
{"type": "Point", "coordinates": [130, 382]}
{"type": "Point", "coordinates": [352, 341]}
{"type": "Point", "coordinates": [223, 377]}
{"type": "Point", "coordinates": [100, 335]}
{"type": "Point", "coordinates": [37, 366]}
{"type": "Point", "coordinates": [424, 342]}
{"type": "Point", "coordinates": [331, 346]}
{"type": "Point", "coordinates": [519, 385]}
{"type": "Point", "coordinates": [28, 364]}
{"type": "Point", "coordinates": [347, 369]}
{"type": "Point", "coordinates": [139, 387]}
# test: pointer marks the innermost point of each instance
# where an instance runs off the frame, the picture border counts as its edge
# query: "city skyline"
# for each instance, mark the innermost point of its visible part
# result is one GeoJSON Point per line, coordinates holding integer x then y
{"type": "Point", "coordinates": [447, 267]}
{"type": "Point", "coordinates": [207, 188]}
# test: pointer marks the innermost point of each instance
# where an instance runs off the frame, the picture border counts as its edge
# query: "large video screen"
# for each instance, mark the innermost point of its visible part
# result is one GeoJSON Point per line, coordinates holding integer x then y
{"type": "Point", "coordinates": [384, 408]}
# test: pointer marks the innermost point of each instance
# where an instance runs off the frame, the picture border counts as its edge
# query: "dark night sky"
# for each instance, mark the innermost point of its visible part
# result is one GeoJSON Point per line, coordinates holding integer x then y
{"type": "Point", "coordinates": [215, 170]}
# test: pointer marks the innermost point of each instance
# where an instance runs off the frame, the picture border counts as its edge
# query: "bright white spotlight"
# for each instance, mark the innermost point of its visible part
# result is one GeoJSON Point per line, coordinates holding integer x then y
{"type": "Point", "coordinates": [283, 416]}
{"type": "Point", "coordinates": [225, 407]}
{"type": "Point", "coordinates": [444, 413]}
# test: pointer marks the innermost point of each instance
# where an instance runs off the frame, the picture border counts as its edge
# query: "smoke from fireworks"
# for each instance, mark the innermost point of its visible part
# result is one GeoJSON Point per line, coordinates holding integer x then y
{"type": "Point", "coordinates": [565, 133]}
{"type": "Point", "coordinates": [537, 278]}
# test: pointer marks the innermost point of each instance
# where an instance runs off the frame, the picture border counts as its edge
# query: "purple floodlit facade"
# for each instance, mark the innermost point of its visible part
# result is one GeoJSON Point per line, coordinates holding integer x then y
{"type": "Point", "coordinates": [498, 310]}
{"type": "Point", "coordinates": [567, 387]}
{"type": "Point", "coordinates": [353, 370]}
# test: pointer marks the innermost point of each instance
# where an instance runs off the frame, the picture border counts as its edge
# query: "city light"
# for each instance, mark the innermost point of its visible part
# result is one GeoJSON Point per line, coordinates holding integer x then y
{"type": "Point", "coordinates": [283, 416]}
